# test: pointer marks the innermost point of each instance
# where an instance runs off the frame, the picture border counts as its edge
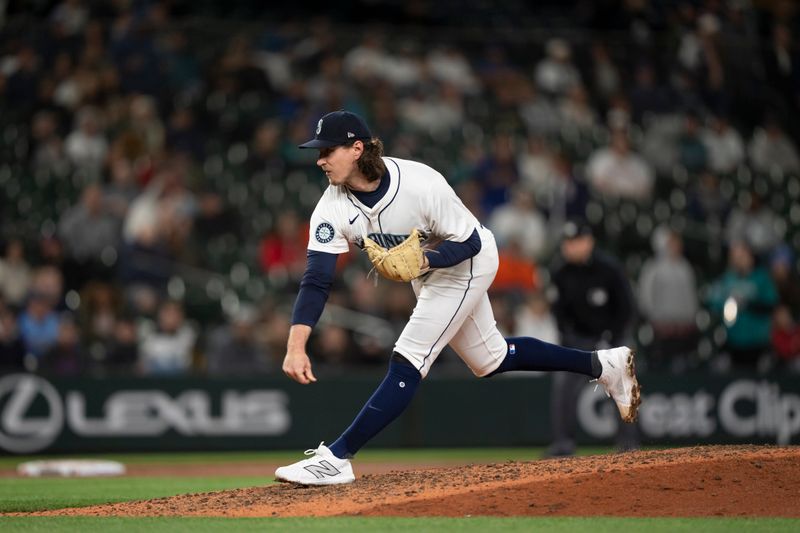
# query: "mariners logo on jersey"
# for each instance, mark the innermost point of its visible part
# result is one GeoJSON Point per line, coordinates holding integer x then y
{"type": "Point", "coordinates": [324, 233]}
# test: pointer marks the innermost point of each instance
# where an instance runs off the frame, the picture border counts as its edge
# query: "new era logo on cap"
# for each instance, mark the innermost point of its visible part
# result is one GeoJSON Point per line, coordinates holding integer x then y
{"type": "Point", "coordinates": [337, 128]}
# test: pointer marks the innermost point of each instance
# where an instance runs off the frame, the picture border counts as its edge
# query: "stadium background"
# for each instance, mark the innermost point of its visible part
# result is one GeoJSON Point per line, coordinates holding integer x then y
{"type": "Point", "coordinates": [154, 201]}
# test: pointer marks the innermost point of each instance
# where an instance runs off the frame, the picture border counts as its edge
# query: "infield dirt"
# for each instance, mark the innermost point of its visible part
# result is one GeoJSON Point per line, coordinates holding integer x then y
{"type": "Point", "coordinates": [698, 481]}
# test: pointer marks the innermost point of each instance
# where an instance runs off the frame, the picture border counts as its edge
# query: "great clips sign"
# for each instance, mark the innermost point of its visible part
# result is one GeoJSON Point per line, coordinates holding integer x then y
{"type": "Point", "coordinates": [741, 409]}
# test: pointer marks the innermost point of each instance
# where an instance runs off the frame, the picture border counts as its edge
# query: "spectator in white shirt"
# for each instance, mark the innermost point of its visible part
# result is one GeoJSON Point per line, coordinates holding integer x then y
{"type": "Point", "coordinates": [555, 74]}
{"type": "Point", "coordinates": [166, 347]}
{"type": "Point", "coordinates": [15, 274]}
{"type": "Point", "coordinates": [617, 171]}
{"type": "Point", "coordinates": [87, 146]}
{"type": "Point", "coordinates": [724, 145]}
{"type": "Point", "coordinates": [536, 167]}
{"type": "Point", "coordinates": [520, 221]}
{"type": "Point", "coordinates": [770, 149]}
{"type": "Point", "coordinates": [448, 65]}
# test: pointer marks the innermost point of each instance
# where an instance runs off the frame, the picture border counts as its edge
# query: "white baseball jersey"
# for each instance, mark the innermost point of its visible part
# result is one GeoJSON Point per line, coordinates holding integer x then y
{"type": "Point", "coordinates": [452, 304]}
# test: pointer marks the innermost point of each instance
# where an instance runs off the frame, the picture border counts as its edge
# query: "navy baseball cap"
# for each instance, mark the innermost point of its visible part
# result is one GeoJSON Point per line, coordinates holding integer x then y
{"type": "Point", "coordinates": [338, 128]}
{"type": "Point", "coordinates": [575, 228]}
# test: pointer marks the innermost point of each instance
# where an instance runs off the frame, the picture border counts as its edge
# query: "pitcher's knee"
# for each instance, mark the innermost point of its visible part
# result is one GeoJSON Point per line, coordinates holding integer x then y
{"type": "Point", "coordinates": [488, 370]}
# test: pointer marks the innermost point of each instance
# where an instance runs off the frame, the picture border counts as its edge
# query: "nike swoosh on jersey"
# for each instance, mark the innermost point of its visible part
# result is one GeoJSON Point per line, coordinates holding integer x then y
{"type": "Point", "coordinates": [354, 218]}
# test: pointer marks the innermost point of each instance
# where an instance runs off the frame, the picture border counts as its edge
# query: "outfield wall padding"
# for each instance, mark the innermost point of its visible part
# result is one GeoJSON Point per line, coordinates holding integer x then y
{"type": "Point", "coordinates": [39, 414]}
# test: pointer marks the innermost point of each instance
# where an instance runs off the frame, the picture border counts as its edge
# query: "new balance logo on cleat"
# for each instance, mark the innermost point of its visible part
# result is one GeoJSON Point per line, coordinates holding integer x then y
{"type": "Point", "coordinates": [324, 468]}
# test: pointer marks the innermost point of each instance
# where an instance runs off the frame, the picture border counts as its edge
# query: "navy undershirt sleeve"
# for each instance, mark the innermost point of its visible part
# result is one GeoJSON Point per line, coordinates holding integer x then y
{"type": "Point", "coordinates": [314, 288]}
{"type": "Point", "coordinates": [450, 253]}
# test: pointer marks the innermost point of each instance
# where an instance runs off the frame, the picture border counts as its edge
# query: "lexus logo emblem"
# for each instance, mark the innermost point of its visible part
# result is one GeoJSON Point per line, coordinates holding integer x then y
{"type": "Point", "coordinates": [24, 426]}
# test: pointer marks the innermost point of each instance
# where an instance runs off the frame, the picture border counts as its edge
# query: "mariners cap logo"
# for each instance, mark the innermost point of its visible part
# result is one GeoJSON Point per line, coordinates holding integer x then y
{"type": "Point", "coordinates": [337, 129]}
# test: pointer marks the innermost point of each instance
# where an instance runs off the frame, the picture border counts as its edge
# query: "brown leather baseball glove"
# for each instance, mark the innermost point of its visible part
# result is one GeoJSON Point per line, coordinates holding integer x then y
{"type": "Point", "coordinates": [403, 262]}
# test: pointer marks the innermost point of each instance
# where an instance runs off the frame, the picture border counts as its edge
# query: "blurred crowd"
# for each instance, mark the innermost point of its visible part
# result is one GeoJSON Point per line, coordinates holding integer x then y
{"type": "Point", "coordinates": [155, 206]}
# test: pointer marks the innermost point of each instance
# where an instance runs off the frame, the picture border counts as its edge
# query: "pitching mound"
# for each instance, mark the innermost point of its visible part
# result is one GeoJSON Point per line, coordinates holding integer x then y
{"type": "Point", "coordinates": [700, 481]}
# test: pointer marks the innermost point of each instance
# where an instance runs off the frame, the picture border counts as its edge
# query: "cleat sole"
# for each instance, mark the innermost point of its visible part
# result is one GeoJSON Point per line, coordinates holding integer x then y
{"type": "Point", "coordinates": [636, 399]}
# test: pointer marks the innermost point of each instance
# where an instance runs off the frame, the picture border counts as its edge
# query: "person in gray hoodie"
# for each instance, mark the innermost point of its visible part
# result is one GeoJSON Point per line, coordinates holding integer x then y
{"type": "Point", "coordinates": [668, 300]}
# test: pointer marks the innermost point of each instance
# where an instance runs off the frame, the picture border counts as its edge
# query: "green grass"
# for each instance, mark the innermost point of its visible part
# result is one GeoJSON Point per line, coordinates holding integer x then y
{"type": "Point", "coordinates": [36, 494]}
{"type": "Point", "coordinates": [444, 525]}
{"type": "Point", "coordinates": [27, 494]}
{"type": "Point", "coordinates": [370, 456]}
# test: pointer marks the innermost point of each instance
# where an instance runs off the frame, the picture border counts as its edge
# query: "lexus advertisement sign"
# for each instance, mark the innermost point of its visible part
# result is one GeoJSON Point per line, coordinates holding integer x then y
{"type": "Point", "coordinates": [34, 414]}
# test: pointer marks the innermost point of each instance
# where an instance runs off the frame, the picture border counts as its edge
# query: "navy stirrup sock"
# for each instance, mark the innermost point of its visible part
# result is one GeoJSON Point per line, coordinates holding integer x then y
{"type": "Point", "coordinates": [386, 403]}
{"type": "Point", "coordinates": [528, 353]}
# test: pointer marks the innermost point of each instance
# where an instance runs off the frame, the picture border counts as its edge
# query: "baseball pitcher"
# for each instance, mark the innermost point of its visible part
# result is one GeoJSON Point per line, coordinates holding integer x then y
{"type": "Point", "coordinates": [414, 228]}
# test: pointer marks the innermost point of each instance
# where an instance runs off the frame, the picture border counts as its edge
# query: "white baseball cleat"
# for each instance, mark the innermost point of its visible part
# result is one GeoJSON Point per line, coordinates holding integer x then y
{"type": "Point", "coordinates": [323, 468]}
{"type": "Point", "coordinates": [619, 380]}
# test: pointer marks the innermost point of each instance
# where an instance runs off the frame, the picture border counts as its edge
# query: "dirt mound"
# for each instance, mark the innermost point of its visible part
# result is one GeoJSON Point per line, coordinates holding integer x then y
{"type": "Point", "coordinates": [700, 481]}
